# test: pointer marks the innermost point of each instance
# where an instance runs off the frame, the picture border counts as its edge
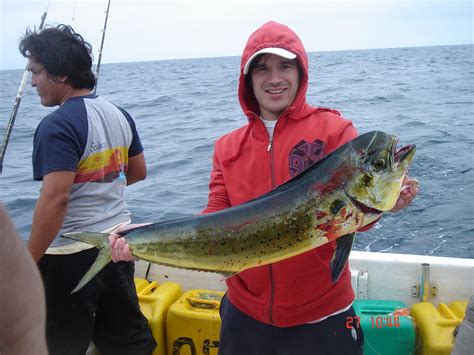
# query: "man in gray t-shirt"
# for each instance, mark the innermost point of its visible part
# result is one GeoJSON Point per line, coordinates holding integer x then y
{"type": "Point", "coordinates": [85, 153]}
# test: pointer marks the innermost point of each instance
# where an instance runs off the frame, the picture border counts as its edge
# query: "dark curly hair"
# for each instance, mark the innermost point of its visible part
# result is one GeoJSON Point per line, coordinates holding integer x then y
{"type": "Point", "coordinates": [62, 52]}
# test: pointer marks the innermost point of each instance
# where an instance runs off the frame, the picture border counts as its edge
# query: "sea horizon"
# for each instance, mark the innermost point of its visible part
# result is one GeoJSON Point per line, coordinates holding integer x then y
{"type": "Point", "coordinates": [238, 55]}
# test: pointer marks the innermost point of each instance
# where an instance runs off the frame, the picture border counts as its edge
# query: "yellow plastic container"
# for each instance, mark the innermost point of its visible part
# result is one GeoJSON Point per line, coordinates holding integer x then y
{"type": "Point", "coordinates": [435, 326]}
{"type": "Point", "coordinates": [141, 284]}
{"type": "Point", "coordinates": [193, 323]}
{"type": "Point", "coordinates": [154, 302]}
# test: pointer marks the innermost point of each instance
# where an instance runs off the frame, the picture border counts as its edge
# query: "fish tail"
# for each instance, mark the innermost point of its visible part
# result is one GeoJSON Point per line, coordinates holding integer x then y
{"type": "Point", "coordinates": [99, 240]}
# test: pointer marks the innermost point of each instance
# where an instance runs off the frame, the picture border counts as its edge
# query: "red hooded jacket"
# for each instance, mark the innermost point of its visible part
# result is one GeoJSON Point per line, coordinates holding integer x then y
{"type": "Point", "coordinates": [296, 290]}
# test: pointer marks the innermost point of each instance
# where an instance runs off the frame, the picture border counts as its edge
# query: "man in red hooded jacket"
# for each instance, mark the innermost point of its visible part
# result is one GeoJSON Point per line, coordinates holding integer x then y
{"type": "Point", "coordinates": [292, 306]}
{"type": "Point", "coordinates": [298, 305]}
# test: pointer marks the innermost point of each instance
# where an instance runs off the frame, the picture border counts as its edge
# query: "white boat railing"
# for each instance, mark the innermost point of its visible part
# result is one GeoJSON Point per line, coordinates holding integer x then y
{"type": "Point", "coordinates": [399, 277]}
{"type": "Point", "coordinates": [375, 276]}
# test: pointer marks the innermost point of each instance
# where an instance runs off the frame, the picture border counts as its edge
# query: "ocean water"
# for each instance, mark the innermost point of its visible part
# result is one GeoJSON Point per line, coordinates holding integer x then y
{"type": "Point", "coordinates": [423, 95]}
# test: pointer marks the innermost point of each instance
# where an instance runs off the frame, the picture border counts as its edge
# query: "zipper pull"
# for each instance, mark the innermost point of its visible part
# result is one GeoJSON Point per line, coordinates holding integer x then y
{"type": "Point", "coordinates": [270, 144]}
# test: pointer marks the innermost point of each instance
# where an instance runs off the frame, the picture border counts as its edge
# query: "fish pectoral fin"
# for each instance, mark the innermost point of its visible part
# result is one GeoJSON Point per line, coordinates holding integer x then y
{"type": "Point", "coordinates": [341, 255]}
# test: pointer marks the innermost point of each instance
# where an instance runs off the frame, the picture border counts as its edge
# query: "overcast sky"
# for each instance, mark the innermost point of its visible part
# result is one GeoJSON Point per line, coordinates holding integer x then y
{"type": "Point", "coordinates": [142, 30]}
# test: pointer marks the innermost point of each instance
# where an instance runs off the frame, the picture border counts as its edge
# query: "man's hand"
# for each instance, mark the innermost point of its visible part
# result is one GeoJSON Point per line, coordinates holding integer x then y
{"type": "Point", "coordinates": [407, 194]}
{"type": "Point", "coordinates": [119, 248]}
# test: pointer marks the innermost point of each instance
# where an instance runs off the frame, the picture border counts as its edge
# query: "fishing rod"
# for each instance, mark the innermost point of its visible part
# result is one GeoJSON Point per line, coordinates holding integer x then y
{"type": "Point", "coordinates": [101, 47]}
{"type": "Point", "coordinates": [16, 105]}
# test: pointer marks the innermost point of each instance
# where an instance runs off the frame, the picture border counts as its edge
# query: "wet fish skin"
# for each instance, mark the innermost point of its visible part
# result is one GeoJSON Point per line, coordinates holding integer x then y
{"type": "Point", "coordinates": [348, 189]}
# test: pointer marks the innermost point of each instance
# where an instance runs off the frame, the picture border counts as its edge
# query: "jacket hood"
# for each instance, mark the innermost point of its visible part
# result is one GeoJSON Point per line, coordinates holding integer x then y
{"type": "Point", "coordinates": [275, 35]}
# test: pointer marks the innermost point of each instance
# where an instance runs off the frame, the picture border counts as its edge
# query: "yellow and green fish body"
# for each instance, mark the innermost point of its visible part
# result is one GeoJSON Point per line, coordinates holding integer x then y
{"type": "Point", "coordinates": [348, 189]}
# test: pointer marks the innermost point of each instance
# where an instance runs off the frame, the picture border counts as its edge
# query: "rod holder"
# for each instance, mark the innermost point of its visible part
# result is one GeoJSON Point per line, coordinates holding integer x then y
{"type": "Point", "coordinates": [425, 283]}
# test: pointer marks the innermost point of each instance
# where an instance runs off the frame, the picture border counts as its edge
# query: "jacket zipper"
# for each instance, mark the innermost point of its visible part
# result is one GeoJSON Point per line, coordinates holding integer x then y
{"type": "Point", "coordinates": [272, 281]}
{"type": "Point", "coordinates": [272, 168]}
{"type": "Point", "coordinates": [272, 294]}
{"type": "Point", "coordinates": [270, 143]}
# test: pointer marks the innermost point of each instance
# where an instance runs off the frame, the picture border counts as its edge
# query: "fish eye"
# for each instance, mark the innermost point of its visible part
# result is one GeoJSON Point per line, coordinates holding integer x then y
{"type": "Point", "coordinates": [379, 164]}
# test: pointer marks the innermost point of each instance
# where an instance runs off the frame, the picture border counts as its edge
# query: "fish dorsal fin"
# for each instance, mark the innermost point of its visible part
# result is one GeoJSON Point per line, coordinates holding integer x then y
{"type": "Point", "coordinates": [151, 226]}
{"type": "Point", "coordinates": [295, 181]}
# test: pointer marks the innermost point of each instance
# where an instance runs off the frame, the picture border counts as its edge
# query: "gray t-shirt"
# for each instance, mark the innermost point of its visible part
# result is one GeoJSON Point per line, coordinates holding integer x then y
{"type": "Point", "coordinates": [94, 138]}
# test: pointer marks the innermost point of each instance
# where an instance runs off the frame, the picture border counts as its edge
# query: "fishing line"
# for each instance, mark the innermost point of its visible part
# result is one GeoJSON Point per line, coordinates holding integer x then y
{"type": "Point", "coordinates": [101, 48]}
{"type": "Point", "coordinates": [16, 105]}
{"type": "Point", "coordinates": [74, 5]}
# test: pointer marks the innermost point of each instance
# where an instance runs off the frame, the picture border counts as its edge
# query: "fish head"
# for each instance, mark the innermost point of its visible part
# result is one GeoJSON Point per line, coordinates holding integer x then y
{"type": "Point", "coordinates": [380, 169]}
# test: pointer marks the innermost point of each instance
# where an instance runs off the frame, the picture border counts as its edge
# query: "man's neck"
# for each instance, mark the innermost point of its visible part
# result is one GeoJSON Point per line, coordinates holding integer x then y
{"type": "Point", "coordinates": [74, 92]}
{"type": "Point", "coordinates": [269, 119]}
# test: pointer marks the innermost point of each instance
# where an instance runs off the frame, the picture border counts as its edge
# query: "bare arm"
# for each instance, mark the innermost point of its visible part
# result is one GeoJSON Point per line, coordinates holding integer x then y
{"type": "Point", "coordinates": [136, 169]}
{"type": "Point", "coordinates": [22, 303]}
{"type": "Point", "coordinates": [50, 211]}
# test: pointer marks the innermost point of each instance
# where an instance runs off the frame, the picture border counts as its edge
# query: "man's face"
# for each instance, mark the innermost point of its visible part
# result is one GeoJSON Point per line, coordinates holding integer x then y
{"type": "Point", "coordinates": [49, 90]}
{"type": "Point", "coordinates": [275, 82]}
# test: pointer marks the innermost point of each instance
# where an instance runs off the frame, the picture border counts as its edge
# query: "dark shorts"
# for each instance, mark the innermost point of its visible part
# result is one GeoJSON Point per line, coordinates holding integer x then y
{"type": "Point", "coordinates": [241, 334]}
{"type": "Point", "coordinates": [105, 311]}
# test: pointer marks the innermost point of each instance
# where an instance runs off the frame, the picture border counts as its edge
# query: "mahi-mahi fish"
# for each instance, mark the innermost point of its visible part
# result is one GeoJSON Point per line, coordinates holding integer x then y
{"type": "Point", "coordinates": [345, 191]}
